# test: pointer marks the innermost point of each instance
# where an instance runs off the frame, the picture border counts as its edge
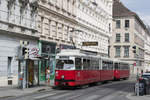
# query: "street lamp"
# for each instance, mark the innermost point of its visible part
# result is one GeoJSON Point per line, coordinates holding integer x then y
{"type": "Point", "coordinates": [73, 30]}
{"type": "Point", "coordinates": [71, 38]}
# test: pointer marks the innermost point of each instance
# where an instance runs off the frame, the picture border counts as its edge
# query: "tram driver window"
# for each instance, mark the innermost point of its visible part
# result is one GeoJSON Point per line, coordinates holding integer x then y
{"type": "Point", "coordinates": [78, 63]}
{"type": "Point", "coordinates": [65, 64]}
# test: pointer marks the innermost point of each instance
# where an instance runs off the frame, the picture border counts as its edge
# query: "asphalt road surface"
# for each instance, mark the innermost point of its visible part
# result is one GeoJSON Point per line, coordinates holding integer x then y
{"type": "Point", "coordinates": [113, 90]}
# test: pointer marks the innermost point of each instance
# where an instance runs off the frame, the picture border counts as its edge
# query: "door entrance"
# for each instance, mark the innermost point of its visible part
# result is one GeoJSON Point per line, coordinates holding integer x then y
{"type": "Point", "coordinates": [32, 73]}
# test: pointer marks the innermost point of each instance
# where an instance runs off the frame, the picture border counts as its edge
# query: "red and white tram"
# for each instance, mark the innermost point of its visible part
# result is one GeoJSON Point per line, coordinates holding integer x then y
{"type": "Point", "coordinates": [121, 70]}
{"type": "Point", "coordinates": [74, 68]}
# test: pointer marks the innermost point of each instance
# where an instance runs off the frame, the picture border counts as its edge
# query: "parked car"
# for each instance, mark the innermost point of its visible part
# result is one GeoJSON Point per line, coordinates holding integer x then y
{"type": "Point", "coordinates": [145, 79]}
{"type": "Point", "coordinates": [146, 76]}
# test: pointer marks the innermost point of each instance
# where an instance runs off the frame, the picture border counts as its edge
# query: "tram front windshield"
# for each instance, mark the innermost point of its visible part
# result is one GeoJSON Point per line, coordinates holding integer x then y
{"type": "Point", "coordinates": [65, 64]}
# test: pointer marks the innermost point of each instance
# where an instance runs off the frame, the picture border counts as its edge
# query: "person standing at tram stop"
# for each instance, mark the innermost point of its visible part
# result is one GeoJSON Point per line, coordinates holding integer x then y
{"type": "Point", "coordinates": [48, 75]}
{"type": "Point", "coordinates": [141, 72]}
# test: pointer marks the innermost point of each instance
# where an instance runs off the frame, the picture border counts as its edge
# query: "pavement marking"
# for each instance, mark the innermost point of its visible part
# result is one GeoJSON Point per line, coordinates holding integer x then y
{"type": "Point", "coordinates": [110, 97]}
{"type": "Point", "coordinates": [93, 97]}
{"type": "Point", "coordinates": [43, 96]}
{"type": "Point", "coordinates": [76, 96]}
{"type": "Point", "coordinates": [60, 96]}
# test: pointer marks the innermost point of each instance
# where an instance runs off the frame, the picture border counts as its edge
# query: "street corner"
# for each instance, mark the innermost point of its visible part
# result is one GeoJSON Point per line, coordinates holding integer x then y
{"type": "Point", "coordinates": [132, 96]}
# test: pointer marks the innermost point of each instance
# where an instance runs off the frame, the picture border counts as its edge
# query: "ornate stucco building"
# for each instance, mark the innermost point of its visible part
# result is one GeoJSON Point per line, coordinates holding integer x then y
{"type": "Point", "coordinates": [56, 20]}
{"type": "Point", "coordinates": [17, 22]}
{"type": "Point", "coordinates": [68, 23]}
{"type": "Point", "coordinates": [94, 19]}
{"type": "Point", "coordinates": [50, 25]}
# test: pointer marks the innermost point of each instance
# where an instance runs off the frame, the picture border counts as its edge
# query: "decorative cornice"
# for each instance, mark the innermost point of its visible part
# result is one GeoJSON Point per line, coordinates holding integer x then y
{"type": "Point", "coordinates": [20, 26]}
{"type": "Point", "coordinates": [58, 14]}
{"type": "Point", "coordinates": [96, 31]}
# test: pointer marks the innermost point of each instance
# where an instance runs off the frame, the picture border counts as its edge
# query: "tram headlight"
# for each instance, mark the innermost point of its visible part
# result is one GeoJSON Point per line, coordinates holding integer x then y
{"type": "Point", "coordinates": [62, 76]}
{"type": "Point", "coordinates": [56, 74]}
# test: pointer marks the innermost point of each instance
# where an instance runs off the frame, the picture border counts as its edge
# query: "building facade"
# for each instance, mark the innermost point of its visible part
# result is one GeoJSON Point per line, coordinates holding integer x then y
{"type": "Point", "coordinates": [147, 50]}
{"type": "Point", "coordinates": [128, 39]}
{"type": "Point", "coordinates": [94, 19]}
{"type": "Point", "coordinates": [66, 24]}
{"type": "Point", "coordinates": [56, 20]}
{"type": "Point", "coordinates": [49, 26]}
{"type": "Point", "coordinates": [17, 22]}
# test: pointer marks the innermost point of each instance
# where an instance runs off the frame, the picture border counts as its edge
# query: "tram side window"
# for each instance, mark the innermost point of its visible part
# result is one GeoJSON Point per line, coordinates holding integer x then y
{"type": "Point", "coordinates": [121, 66]}
{"type": "Point", "coordinates": [78, 63]}
{"type": "Point", "coordinates": [116, 66]}
{"type": "Point", "coordinates": [110, 65]}
{"type": "Point", "coordinates": [97, 64]}
{"type": "Point", "coordinates": [94, 64]}
{"type": "Point", "coordinates": [86, 64]}
{"type": "Point", "coordinates": [104, 65]}
{"type": "Point", "coordinates": [126, 66]}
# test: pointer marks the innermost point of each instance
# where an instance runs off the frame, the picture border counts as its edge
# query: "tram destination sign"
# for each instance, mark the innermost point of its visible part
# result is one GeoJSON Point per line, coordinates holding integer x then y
{"type": "Point", "coordinates": [89, 43]}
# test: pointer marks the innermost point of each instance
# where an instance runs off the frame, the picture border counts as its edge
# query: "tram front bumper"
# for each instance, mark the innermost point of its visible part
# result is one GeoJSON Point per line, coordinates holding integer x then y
{"type": "Point", "coordinates": [63, 82]}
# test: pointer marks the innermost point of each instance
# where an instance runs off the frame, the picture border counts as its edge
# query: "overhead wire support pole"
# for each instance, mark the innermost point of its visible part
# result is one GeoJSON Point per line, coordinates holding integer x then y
{"type": "Point", "coordinates": [73, 30]}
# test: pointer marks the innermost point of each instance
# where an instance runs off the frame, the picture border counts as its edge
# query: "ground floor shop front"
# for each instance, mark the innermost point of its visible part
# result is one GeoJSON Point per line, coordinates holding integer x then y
{"type": "Point", "coordinates": [48, 51]}
{"type": "Point", "coordinates": [26, 73]}
{"type": "Point", "coordinates": [9, 51]}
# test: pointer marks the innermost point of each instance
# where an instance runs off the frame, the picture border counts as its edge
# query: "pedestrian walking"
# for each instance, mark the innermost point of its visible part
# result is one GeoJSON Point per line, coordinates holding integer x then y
{"type": "Point", "coordinates": [48, 75]}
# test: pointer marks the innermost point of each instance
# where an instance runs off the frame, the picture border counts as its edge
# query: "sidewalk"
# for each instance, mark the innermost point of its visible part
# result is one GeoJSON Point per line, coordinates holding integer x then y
{"type": "Point", "coordinates": [131, 96]}
{"type": "Point", "coordinates": [14, 91]}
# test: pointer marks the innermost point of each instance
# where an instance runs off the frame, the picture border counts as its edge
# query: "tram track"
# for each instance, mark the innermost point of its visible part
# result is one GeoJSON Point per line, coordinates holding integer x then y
{"type": "Point", "coordinates": [94, 90]}
{"type": "Point", "coordinates": [90, 90]}
{"type": "Point", "coordinates": [72, 94]}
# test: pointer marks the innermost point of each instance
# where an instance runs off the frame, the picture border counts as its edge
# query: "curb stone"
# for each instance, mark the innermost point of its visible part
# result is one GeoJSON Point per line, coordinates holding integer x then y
{"type": "Point", "coordinates": [25, 94]}
{"type": "Point", "coordinates": [131, 96]}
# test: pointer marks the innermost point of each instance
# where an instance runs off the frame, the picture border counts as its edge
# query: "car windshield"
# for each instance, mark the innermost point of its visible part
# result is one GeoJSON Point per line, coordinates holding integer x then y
{"type": "Point", "coordinates": [146, 76]}
{"type": "Point", "coordinates": [65, 64]}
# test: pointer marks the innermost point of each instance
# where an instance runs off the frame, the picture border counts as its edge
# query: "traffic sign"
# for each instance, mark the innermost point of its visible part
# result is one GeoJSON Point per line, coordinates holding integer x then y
{"type": "Point", "coordinates": [134, 64]}
{"type": "Point", "coordinates": [89, 43]}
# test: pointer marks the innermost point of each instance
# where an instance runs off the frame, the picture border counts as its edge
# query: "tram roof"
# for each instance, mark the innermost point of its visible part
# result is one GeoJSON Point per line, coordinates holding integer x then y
{"type": "Point", "coordinates": [77, 52]}
{"type": "Point", "coordinates": [120, 61]}
{"type": "Point", "coordinates": [71, 52]}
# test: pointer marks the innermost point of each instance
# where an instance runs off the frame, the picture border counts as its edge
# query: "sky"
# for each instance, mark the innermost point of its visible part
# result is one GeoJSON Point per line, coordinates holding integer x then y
{"type": "Point", "coordinates": [141, 7]}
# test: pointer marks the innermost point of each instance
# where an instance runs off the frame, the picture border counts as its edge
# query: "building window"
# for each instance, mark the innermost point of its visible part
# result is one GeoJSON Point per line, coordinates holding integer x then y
{"type": "Point", "coordinates": [126, 37]}
{"type": "Point", "coordinates": [9, 69]}
{"type": "Point", "coordinates": [118, 24]}
{"type": "Point", "coordinates": [109, 27]}
{"type": "Point", "coordinates": [117, 37]}
{"type": "Point", "coordinates": [118, 51]}
{"type": "Point", "coordinates": [126, 51]}
{"type": "Point", "coordinates": [127, 24]}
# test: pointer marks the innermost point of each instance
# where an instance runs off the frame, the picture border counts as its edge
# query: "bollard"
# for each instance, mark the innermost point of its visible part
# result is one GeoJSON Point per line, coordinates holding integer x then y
{"type": "Point", "coordinates": [137, 88]}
